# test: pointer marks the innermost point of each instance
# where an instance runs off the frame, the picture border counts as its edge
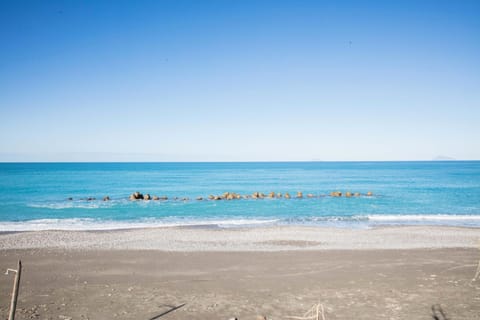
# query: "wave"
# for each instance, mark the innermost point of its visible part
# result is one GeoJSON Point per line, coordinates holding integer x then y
{"type": "Point", "coordinates": [86, 224]}
{"type": "Point", "coordinates": [355, 221]}
{"type": "Point", "coordinates": [424, 217]}
{"type": "Point", "coordinates": [59, 205]}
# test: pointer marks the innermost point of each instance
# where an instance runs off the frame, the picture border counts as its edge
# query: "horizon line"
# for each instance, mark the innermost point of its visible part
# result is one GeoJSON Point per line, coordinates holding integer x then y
{"type": "Point", "coordinates": [249, 161]}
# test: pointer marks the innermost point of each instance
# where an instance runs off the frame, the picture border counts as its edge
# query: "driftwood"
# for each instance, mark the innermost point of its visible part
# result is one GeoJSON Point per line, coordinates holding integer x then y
{"type": "Point", "coordinates": [438, 313]}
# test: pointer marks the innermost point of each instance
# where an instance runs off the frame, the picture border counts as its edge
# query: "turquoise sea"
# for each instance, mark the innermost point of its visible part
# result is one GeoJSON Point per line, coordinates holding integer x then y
{"type": "Point", "coordinates": [34, 196]}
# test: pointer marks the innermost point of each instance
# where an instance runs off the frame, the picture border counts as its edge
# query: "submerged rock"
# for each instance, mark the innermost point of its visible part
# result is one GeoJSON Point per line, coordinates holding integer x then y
{"type": "Point", "coordinates": [155, 198]}
{"type": "Point", "coordinates": [369, 193]}
{"type": "Point", "coordinates": [287, 195]}
{"type": "Point", "coordinates": [106, 198]}
{"type": "Point", "coordinates": [299, 194]}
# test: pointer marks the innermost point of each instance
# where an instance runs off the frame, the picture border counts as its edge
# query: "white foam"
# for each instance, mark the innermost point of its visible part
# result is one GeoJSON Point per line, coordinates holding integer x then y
{"type": "Point", "coordinates": [85, 224]}
{"type": "Point", "coordinates": [426, 217]}
{"type": "Point", "coordinates": [66, 205]}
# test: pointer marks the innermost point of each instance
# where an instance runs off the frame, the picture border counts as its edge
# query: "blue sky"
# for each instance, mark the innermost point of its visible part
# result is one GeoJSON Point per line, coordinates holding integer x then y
{"type": "Point", "coordinates": [239, 80]}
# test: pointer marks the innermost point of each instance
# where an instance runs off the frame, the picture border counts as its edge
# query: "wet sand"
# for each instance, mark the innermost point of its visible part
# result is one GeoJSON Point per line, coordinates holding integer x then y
{"type": "Point", "coordinates": [62, 282]}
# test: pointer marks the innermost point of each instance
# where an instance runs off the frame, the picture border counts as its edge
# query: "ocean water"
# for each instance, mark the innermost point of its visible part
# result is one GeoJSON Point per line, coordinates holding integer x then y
{"type": "Point", "coordinates": [33, 196]}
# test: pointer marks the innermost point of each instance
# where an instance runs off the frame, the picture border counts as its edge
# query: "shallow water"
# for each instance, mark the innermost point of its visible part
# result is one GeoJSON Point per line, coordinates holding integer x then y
{"type": "Point", "coordinates": [33, 196]}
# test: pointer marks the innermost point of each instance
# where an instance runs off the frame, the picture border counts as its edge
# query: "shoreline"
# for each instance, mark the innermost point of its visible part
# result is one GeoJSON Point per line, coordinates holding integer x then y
{"type": "Point", "coordinates": [272, 238]}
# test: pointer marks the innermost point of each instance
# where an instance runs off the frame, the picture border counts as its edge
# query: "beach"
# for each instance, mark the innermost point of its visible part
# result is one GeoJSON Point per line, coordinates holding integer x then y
{"type": "Point", "coordinates": [208, 273]}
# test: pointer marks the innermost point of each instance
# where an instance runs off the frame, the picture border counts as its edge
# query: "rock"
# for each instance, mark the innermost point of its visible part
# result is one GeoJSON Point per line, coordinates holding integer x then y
{"type": "Point", "coordinates": [156, 198]}
{"type": "Point", "coordinates": [299, 194]}
{"type": "Point", "coordinates": [217, 198]}
{"type": "Point", "coordinates": [310, 195]}
{"type": "Point", "coordinates": [163, 198]}
{"type": "Point", "coordinates": [271, 195]}
{"type": "Point", "coordinates": [211, 197]}
{"type": "Point", "coordinates": [185, 199]}
{"type": "Point", "coordinates": [279, 195]}
{"type": "Point", "coordinates": [106, 198]}
{"type": "Point", "coordinates": [369, 193]}
{"type": "Point", "coordinates": [147, 197]}
{"type": "Point", "coordinates": [255, 195]}
{"type": "Point", "coordinates": [348, 194]}
{"type": "Point", "coordinates": [357, 194]}
{"type": "Point", "coordinates": [261, 318]}
{"type": "Point", "coordinates": [199, 198]}
{"type": "Point", "coordinates": [335, 194]}
{"type": "Point", "coordinates": [287, 195]}
{"type": "Point", "coordinates": [69, 198]}
{"type": "Point", "coordinates": [136, 196]}
{"type": "Point", "coordinates": [261, 195]}
{"type": "Point", "coordinates": [90, 199]}
{"type": "Point", "coordinates": [229, 196]}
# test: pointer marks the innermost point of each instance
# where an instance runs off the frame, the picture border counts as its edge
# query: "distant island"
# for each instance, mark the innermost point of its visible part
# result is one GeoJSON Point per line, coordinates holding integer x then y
{"type": "Point", "coordinates": [443, 158]}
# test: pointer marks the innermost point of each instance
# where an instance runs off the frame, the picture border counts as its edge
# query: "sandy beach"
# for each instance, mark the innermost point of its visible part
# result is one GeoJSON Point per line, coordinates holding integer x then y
{"type": "Point", "coordinates": [275, 238]}
{"type": "Point", "coordinates": [382, 273]}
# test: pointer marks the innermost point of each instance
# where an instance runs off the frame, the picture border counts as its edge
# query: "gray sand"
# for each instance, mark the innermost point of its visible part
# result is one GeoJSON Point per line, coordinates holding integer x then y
{"type": "Point", "coordinates": [247, 239]}
{"type": "Point", "coordinates": [380, 273]}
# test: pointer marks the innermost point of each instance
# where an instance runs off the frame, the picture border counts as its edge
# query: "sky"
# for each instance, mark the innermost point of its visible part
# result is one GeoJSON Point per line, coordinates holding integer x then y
{"type": "Point", "coordinates": [239, 80]}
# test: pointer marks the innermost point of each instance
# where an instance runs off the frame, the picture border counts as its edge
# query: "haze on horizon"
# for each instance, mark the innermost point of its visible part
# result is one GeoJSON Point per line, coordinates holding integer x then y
{"type": "Point", "coordinates": [239, 80]}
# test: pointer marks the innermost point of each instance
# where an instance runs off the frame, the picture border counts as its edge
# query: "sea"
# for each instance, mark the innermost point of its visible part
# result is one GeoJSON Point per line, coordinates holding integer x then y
{"type": "Point", "coordinates": [69, 196]}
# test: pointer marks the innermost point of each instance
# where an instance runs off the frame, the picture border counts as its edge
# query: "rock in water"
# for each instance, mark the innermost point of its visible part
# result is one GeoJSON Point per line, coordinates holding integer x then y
{"type": "Point", "coordinates": [147, 197]}
{"type": "Point", "coordinates": [136, 196]}
{"type": "Point", "coordinates": [106, 198]}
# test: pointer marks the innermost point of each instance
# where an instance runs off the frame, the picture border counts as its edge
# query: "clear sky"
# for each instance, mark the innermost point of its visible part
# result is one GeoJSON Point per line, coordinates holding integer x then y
{"type": "Point", "coordinates": [239, 80]}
